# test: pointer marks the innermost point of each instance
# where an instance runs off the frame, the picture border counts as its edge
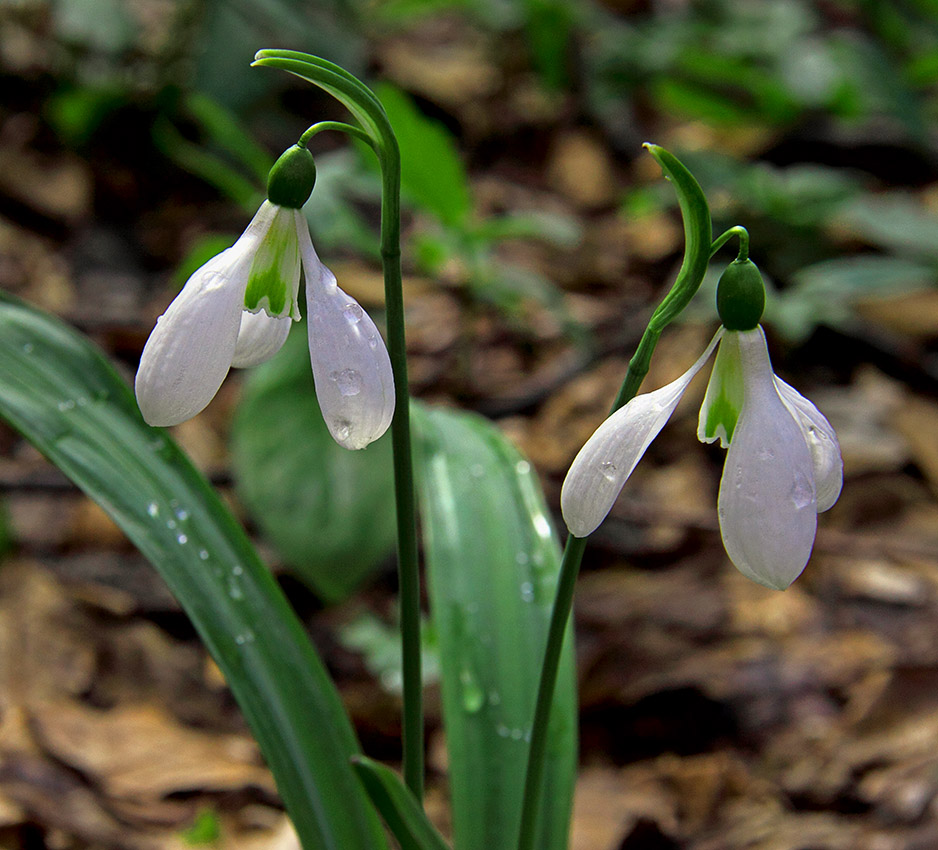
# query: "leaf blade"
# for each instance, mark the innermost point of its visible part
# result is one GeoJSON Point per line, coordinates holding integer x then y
{"type": "Point", "coordinates": [492, 560]}
{"type": "Point", "coordinates": [62, 395]}
{"type": "Point", "coordinates": [400, 810]}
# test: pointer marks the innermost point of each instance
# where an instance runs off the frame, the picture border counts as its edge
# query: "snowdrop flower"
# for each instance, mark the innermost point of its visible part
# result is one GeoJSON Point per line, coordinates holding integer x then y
{"type": "Point", "coordinates": [783, 466]}
{"type": "Point", "coordinates": [237, 310]}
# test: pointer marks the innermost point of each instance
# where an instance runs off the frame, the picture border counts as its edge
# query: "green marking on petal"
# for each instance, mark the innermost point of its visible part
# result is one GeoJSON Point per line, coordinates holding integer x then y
{"type": "Point", "coordinates": [275, 267]}
{"type": "Point", "coordinates": [724, 400]}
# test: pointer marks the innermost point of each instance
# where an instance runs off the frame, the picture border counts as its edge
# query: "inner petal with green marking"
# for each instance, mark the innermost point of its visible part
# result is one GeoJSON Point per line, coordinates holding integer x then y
{"type": "Point", "coordinates": [724, 400]}
{"type": "Point", "coordinates": [275, 272]}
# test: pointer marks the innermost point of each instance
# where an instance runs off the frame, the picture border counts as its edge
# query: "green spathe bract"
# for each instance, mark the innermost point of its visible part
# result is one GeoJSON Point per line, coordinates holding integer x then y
{"type": "Point", "coordinates": [741, 296]}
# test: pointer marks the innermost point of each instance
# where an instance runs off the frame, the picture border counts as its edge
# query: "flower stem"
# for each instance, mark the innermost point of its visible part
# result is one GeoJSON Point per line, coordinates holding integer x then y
{"type": "Point", "coordinates": [408, 571]}
{"type": "Point", "coordinates": [560, 615]}
{"type": "Point", "coordinates": [376, 130]}
{"type": "Point", "coordinates": [723, 238]}
{"type": "Point", "coordinates": [698, 233]}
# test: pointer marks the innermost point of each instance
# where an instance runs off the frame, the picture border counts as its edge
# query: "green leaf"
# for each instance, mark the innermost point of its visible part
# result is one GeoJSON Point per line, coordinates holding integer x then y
{"type": "Point", "coordinates": [893, 220]}
{"type": "Point", "coordinates": [328, 511]}
{"type": "Point", "coordinates": [400, 810]}
{"type": "Point", "coordinates": [62, 395]}
{"type": "Point", "coordinates": [432, 172]}
{"type": "Point", "coordinates": [492, 561]}
{"type": "Point", "coordinates": [230, 31]}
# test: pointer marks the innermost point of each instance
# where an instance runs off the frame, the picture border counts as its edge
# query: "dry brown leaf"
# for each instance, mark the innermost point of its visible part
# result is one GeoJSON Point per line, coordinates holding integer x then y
{"type": "Point", "coordinates": [140, 752]}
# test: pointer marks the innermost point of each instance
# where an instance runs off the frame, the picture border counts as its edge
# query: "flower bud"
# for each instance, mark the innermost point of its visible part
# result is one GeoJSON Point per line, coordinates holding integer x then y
{"type": "Point", "coordinates": [740, 296]}
{"type": "Point", "coordinates": [291, 180]}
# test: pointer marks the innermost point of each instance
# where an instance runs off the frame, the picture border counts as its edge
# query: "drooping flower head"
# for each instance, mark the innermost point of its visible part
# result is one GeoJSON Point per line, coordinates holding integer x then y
{"type": "Point", "coordinates": [783, 465]}
{"type": "Point", "coordinates": [237, 310]}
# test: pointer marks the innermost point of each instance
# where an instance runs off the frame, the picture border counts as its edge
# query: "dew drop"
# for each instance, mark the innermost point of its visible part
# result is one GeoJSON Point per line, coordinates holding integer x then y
{"type": "Point", "coordinates": [765, 453]}
{"type": "Point", "coordinates": [203, 554]}
{"type": "Point", "coordinates": [181, 539]}
{"type": "Point", "coordinates": [153, 509]}
{"type": "Point", "coordinates": [343, 430]}
{"type": "Point", "coordinates": [244, 637]}
{"type": "Point", "coordinates": [522, 467]}
{"type": "Point", "coordinates": [237, 570]}
{"type": "Point", "coordinates": [170, 523]}
{"type": "Point", "coordinates": [502, 730]}
{"type": "Point", "coordinates": [353, 312]}
{"type": "Point", "coordinates": [494, 698]}
{"type": "Point", "coordinates": [348, 381]}
{"type": "Point", "coordinates": [477, 470]}
{"type": "Point", "coordinates": [527, 591]}
{"type": "Point", "coordinates": [66, 405]}
{"type": "Point", "coordinates": [521, 558]}
{"type": "Point", "coordinates": [27, 348]}
{"type": "Point", "coordinates": [517, 734]}
{"type": "Point", "coordinates": [182, 514]}
{"type": "Point", "coordinates": [373, 342]}
{"type": "Point", "coordinates": [234, 589]}
{"type": "Point", "coordinates": [473, 697]}
{"type": "Point", "coordinates": [801, 494]}
{"type": "Point", "coordinates": [608, 469]}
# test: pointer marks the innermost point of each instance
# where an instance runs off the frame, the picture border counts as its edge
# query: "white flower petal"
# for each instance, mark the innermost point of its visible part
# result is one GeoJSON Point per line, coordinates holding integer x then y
{"type": "Point", "coordinates": [189, 351]}
{"type": "Point", "coordinates": [605, 462]}
{"type": "Point", "coordinates": [822, 441]}
{"type": "Point", "coordinates": [260, 337]}
{"type": "Point", "coordinates": [351, 366]}
{"type": "Point", "coordinates": [768, 502]}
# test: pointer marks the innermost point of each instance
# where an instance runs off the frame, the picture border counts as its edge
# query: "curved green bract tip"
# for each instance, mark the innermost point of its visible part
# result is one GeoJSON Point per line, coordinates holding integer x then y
{"type": "Point", "coordinates": [291, 179]}
{"type": "Point", "coordinates": [351, 92]}
{"type": "Point", "coordinates": [698, 233]}
{"type": "Point", "coordinates": [740, 296]}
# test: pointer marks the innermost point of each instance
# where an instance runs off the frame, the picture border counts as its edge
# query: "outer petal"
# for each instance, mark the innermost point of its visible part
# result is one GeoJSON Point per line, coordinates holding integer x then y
{"type": "Point", "coordinates": [351, 366]}
{"type": "Point", "coordinates": [260, 337]}
{"type": "Point", "coordinates": [189, 351]}
{"type": "Point", "coordinates": [605, 462]}
{"type": "Point", "coordinates": [768, 502]}
{"type": "Point", "coordinates": [822, 441]}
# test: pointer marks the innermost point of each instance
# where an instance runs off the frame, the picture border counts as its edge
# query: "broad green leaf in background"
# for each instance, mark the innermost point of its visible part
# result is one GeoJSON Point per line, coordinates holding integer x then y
{"type": "Point", "coordinates": [230, 31]}
{"type": "Point", "coordinates": [398, 806]}
{"type": "Point", "coordinates": [432, 172]}
{"type": "Point", "coordinates": [492, 560]}
{"type": "Point", "coordinates": [61, 394]}
{"type": "Point", "coordinates": [328, 511]}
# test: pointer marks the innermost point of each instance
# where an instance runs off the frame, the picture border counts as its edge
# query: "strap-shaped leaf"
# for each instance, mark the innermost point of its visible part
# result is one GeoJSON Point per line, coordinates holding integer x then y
{"type": "Point", "coordinates": [399, 808]}
{"type": "Point", "coordinates": [58, 390]}
{"type": "Point", "coordinates": [492, 559]}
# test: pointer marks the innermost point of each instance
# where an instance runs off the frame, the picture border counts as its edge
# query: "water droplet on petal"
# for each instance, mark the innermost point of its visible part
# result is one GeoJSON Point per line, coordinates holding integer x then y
{"type": "Point", "coordinates": [608, 469]}
{"type": "Point", "coordinates": [353, 312]}
{"type": "Point", "coordinates": [802, 494]}
{"type": "Point", "coordinates": [348, 381]}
